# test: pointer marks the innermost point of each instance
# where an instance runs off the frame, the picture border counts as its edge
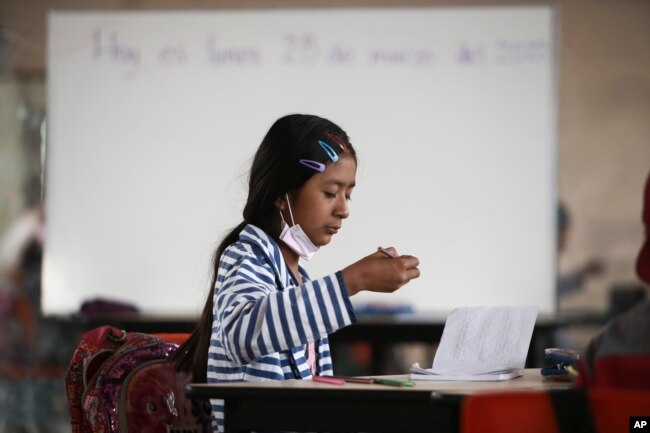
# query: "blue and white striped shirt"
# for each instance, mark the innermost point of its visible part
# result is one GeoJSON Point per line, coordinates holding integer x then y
{"type": "Point", "coordinates": [263, 320]}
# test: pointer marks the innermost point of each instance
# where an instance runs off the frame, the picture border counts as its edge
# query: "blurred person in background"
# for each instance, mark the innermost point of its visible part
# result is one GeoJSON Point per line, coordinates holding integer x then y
{"type": "Point", "coordinates": [619, 355]}
{"type": "Point", "coordinates": [21, 250]}
{"type": "Point", "coordinates": [575, 280]}
{"type": "Point", "coordinates": [33, 353]}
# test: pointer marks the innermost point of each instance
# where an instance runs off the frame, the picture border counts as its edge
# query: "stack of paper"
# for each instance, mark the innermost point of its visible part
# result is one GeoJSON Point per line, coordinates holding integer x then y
{"type": "Point", "coordinates": [482, 343]}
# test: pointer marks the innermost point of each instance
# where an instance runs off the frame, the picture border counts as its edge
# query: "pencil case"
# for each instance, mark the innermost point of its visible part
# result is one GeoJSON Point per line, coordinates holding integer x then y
{"type": "Point", "coordinates": [564, 362]}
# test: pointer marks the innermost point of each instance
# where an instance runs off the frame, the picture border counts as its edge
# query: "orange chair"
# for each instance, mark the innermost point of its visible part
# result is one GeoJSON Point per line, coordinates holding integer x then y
{"type": "Point", "coordinates": [617, 371]}
{"type": "Point", "coordinates": [508, 412]}
{"type": "Point", "coordinates": [173, 337]}
{"type": "Point", "coordinates": [535, 412]}
{"type": "Point", "coordinates": [612, 408]}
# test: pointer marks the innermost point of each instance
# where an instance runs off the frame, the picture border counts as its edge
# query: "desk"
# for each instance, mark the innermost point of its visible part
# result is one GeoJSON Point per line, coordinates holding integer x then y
{"type": "Point", "coordinates": [307, 406]}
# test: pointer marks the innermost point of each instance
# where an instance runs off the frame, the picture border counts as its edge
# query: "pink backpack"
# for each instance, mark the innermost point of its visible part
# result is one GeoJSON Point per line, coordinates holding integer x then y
{"type": "Point", "coordinates": [121, 382]}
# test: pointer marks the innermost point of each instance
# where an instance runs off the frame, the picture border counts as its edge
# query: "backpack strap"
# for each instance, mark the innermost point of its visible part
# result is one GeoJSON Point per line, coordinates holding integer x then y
{"type": "Point", "coordinates": [572, 411]}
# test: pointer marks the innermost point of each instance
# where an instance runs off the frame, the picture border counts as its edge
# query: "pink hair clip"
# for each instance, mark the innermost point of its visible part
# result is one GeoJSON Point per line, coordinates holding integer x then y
{"type": "Point", "coordinates": [338, 141]}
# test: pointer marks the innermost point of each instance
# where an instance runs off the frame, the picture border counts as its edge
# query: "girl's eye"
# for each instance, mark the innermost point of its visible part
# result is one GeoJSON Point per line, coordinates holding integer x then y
{"type": "Point", "coordinates": [333, 195]}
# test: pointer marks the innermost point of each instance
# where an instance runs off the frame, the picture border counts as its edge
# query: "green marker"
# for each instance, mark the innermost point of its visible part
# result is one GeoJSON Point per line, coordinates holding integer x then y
{"type": "Point", "coordinates": [393, 382]}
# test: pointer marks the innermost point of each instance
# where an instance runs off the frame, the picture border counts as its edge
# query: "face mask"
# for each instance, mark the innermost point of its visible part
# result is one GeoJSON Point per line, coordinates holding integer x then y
{"type": "Point", "coordinates": [295, 238]}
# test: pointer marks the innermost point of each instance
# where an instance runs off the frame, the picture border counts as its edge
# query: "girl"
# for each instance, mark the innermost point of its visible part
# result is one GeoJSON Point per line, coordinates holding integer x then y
{"type": "Point", "coordinates": [266, 320]}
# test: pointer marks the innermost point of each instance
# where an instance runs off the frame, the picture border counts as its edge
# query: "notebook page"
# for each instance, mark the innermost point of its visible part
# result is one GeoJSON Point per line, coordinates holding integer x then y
{"type": "Point", "coordinates": [480, 340]}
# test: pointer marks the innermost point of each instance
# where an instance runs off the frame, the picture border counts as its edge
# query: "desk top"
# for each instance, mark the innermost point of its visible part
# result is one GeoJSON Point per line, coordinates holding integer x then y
{"type": "Point", "coordinates": [532, 380]}
{"type": "Point", "coordinates": [299, 405]}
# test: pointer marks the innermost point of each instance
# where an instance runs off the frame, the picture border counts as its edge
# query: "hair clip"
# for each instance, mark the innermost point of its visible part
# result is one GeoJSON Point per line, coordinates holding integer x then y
{"type": "Point", "coordinates": [315, 165]}
{"type": "Point", "coordinates": [330, 152]}
{"type": "Point", "coordinates": [338, 141]}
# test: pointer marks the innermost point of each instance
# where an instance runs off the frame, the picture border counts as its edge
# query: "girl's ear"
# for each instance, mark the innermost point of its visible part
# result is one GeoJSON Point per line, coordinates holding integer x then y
{"type": "Point", "coordinates": [280, 203]}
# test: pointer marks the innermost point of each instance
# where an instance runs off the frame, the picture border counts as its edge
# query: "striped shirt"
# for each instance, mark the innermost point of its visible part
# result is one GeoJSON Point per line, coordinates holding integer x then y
{"type": "Point", "coordinates": [263, 320]}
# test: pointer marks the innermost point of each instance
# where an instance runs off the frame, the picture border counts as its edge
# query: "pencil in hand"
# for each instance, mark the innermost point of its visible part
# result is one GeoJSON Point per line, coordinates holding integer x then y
{"type": "Point", "coordinates": [386, 252]}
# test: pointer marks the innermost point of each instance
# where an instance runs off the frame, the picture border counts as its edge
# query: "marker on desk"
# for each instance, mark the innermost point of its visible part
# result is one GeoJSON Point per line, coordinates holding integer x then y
{"type": "Point", "coordinates": [393, 382]}
{"type": "Point", "coordinates": [328, 379]}
{"type": "Point", "coordinates": [386, 253]}
{"type": "Point", "coordinates": [367, 380]}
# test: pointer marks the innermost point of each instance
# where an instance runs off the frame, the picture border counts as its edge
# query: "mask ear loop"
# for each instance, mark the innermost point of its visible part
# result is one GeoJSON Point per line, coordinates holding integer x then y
{"type": "Point", "coordinates": [290, 213]}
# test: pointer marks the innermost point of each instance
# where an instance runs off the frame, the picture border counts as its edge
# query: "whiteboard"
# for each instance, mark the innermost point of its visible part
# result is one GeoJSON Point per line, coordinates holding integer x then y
{"type": "Point", "coordinates": [153, 118]}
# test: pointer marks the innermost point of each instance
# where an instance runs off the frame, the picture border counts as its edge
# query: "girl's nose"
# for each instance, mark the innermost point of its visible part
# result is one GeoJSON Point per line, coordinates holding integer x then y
{"type": "Point", "coordinates": [342, 209]}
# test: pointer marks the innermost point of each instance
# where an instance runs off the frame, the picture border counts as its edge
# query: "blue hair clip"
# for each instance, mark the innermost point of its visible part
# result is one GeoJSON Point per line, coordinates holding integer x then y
{"type": "Point", "coordinates": [330, 152]}
{"type": "Point", "coordinates": [315, 165]}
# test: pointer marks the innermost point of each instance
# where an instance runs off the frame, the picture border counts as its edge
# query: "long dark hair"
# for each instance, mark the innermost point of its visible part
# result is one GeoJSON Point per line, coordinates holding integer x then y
{"type": "Point", "coordinates": [275, 171]}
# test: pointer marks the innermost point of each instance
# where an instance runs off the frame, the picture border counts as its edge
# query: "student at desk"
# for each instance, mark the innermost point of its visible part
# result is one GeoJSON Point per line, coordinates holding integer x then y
{"type": "Point", "coordinates": [619, 356]}
{"type": "Point", "coordinates": [265, 319]}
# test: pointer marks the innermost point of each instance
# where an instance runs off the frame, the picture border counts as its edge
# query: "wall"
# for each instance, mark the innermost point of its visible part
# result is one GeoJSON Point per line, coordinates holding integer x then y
{"type": "Point", "coordinates": [11, 155]}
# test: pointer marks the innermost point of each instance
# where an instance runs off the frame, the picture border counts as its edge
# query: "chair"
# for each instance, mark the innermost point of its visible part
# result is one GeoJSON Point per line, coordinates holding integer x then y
{"type": "Point", "coordinates": [507, 412]}
{"type": "Point", "coordinates": [609, 411]}
{"type": "Point", "coordinates": [617, 371]}
{"type": "Point", "coordinates": [173, 337]}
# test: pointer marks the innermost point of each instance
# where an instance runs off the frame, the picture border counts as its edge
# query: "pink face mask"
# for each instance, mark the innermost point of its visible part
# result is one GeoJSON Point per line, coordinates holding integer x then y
{"type": "Point", "coordinates": [295, 238]}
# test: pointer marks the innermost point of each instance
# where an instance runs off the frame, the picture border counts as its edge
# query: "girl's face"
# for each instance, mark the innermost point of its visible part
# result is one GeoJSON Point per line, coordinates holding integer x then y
{"type": "Point", "coordinates": [321, 205]}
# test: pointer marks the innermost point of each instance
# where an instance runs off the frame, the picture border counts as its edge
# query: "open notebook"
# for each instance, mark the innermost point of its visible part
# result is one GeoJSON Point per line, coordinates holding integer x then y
{"type": "Point", "coordinates": [482, 343]}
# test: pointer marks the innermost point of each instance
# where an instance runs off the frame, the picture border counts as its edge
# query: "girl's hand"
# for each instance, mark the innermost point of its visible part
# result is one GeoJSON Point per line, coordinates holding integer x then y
{"type": "Point", "coordinates": [379, 273]}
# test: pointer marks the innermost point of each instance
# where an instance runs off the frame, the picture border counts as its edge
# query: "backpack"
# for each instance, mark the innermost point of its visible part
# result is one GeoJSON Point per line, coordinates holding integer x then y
{"type": "Point", "coordinates": [121, 382]}
{"type": "Point", "coordinates": [93, 349]}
